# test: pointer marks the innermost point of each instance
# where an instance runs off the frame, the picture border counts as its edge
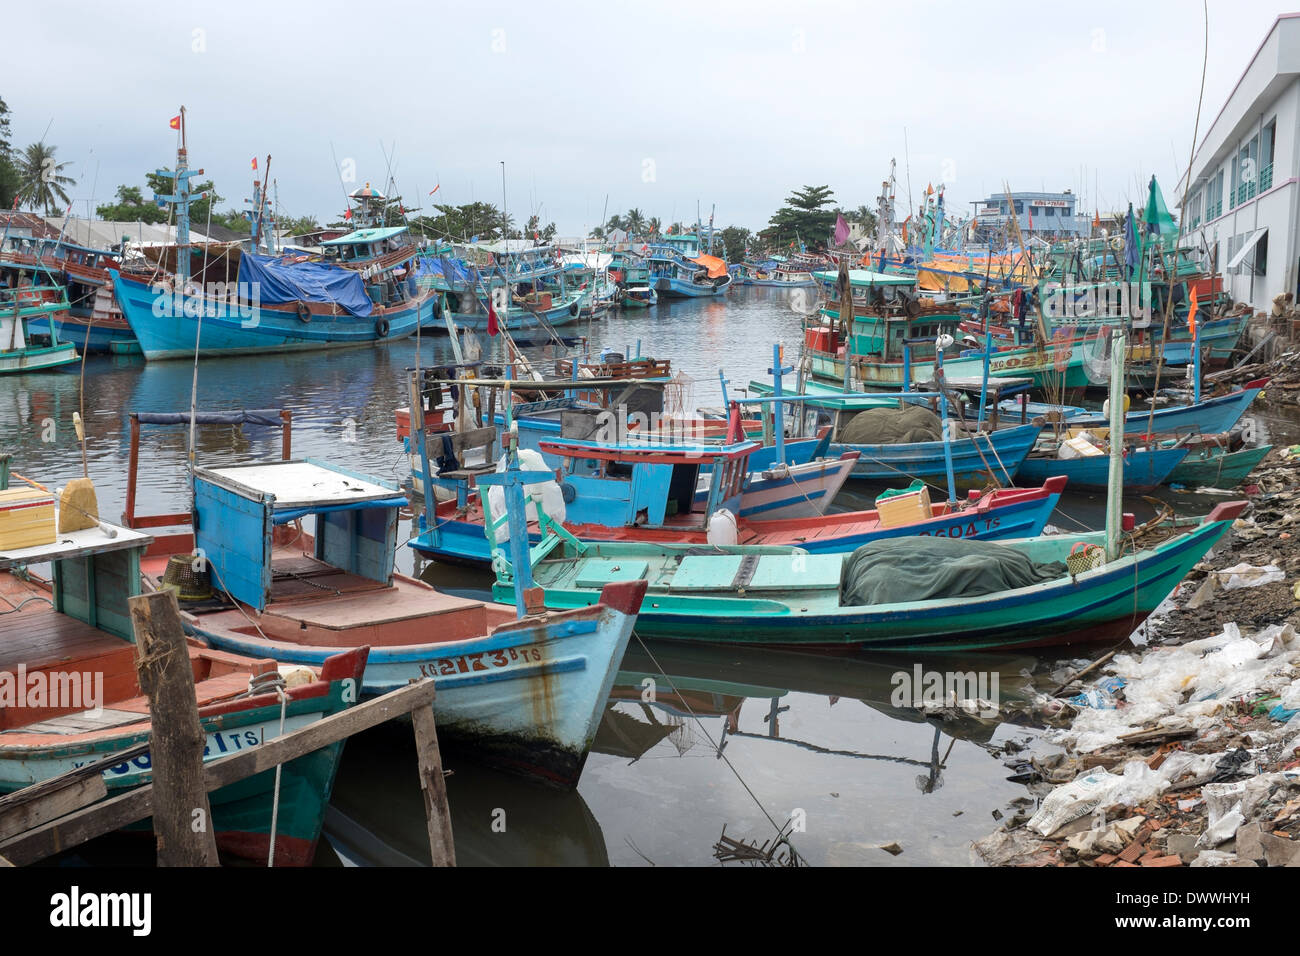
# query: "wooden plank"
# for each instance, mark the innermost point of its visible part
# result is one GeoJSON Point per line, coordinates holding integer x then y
{"type": "Point", "coordinates": [134, 805]}
{"type": "Point", "coordinates": [72, 795]}
{"type": "Point", "coordinates": [434, 786]}
{"type": "Point", "coordinates": [167, 678]}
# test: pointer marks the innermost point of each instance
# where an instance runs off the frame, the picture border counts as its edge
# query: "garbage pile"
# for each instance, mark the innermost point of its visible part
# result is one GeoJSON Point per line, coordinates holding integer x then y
{"type": "Point", "coordinates": [1187, 754]}
{"type": "Point", "coordinates": [1253, 576]}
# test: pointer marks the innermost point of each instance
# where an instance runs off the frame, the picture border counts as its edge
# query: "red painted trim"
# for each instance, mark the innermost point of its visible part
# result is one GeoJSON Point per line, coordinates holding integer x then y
{"type": "Point", "coordinates": [1255, 383]}
{"type": "Point", "coordinates": [1228, 511]}
{"type": "Point", "coordinates": [624, 596]}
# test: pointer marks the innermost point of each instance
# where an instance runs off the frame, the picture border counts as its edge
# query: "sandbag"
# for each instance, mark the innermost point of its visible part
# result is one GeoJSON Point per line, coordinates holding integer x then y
{"type": "Point", "coordinates": [892, 426]}
{"type": "Point", "coordinates": [899, 570]}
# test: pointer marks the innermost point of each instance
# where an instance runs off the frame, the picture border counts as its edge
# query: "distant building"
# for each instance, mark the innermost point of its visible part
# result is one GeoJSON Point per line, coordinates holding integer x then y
{"type": "Point", "coordinates": [1048, 215]}
{"type": "Point", "coordinates": [1243, 204]}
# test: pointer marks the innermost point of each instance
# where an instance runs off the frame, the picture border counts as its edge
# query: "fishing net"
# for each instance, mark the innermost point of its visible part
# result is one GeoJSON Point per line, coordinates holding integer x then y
{"type": "Point", "coordinates": [900, 570]}
{"type": "Point", "coordinates": [892, 426]}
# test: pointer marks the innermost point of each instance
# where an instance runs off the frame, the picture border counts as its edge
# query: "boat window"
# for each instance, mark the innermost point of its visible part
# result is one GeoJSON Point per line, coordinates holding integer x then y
{"type": "Point", "coordinates": [681, 489]}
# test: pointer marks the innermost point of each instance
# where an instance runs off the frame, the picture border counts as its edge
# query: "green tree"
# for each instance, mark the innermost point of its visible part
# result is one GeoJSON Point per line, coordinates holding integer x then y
{"type": "Point", "coordinates": [41, 179]}
{"type": "Point", "coordinates": [735, 241]}
{"type": "Point", "coordinates": [8, 173]}
{"type": "Point", "coordinates": [131, 206]}
{"type": "Point", "coordinates": [534, 229]}
{"type": "Point", "coordinates": [802, 220]}
{"type": "Point", "coordinates": [634, 222]}
{"type": "Point", "coordinates": [298, 225]}
{"type": "Point", "coordinates": [460, 223]}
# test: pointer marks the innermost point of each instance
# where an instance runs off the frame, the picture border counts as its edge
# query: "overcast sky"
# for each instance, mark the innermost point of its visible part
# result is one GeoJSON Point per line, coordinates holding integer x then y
{"type": "Point", "coordinates": [656, 105]}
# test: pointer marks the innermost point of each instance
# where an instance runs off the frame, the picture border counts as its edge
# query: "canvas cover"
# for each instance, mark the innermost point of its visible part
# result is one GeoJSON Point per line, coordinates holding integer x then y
{"type": "Point", "coordinates": [892, 426]}
{"type": "Point", "coordinates": [280, 281]}
{"type": "Point", "coordinates": [717, 267]}
{"type": "Point", "coordinates": [901, 570]}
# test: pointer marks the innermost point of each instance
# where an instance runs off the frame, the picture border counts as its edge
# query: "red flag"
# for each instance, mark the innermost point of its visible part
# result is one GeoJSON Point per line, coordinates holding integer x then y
{"type": "Point", "coordinates": [254, 162]}
{"type": "Point", "coordinates": [1191, 314]}
{"type": "Point", "coordinates": [435, 189]}
{"type": "Point", "coordinates": [347, 214]}
{"type": "Point", "coordinates": [492, 318]}
{"type": "Point", "coordinates": [174, 122]}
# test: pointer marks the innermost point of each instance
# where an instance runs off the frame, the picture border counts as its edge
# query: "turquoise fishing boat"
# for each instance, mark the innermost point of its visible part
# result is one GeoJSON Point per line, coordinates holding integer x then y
{"type": "Point", "coordinates": [74, 632]}
{"type": "Point", "coordinates": [1209, 465]}
{"type": "Point", "coordinates": [18, 307]}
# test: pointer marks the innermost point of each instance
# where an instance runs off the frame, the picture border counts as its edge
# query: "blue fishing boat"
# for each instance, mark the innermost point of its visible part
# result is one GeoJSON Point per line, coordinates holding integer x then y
{"type": "Point", "coordinates": [1144, 469]}
{"type": "Point", "coordinates": [521, 286]}
{"type": "Point", "coordinates": [1208, 416]}
{"type": "Point", "coordinates": [221, 302]}
{"type": "Point", "coordinates": [520, 688]}
{"type": "Point", "coordinates": [679, 270]}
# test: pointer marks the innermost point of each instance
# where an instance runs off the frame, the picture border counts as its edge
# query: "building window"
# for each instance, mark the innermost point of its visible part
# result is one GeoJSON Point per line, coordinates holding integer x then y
{"type": "Point", "coordinates": [1260, 254]}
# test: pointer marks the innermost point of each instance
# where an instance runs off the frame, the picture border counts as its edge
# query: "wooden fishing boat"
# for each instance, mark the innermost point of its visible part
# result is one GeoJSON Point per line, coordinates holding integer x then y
{"type": "Point", "coordinates": [639, 297]}
{"type": "Point", "coordinates": [517, 688]}
{"type": "Point", "coordinates": [1213, 465]}
{"type": "Point", "coordinates": [747, 595]}
{"type": "Point", "coordinates": [1145, 468]}
{"type": "Point", "coordinates": [647, 493]}
{"type": "Point", "coordinates": [363, 293]}
{"type": "Point", "coordinates": [74, 633]}
{"type": "Point", "coordinates": [680, 270]}
{"type": "Point", "coordinates": [18, 307]}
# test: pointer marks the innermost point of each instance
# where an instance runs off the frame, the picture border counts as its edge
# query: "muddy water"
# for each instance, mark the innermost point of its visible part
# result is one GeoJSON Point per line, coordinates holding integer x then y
{"type": "Point", "coordinates": [738, 738]}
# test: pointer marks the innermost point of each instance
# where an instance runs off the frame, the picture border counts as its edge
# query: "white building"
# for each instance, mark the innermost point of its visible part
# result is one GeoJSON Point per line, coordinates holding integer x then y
{"type": "Point", "coordinates": [1243, 204]}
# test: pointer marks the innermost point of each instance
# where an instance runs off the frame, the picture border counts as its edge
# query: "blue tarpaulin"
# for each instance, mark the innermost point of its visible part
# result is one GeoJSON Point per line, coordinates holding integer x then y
{"type": "Point", "coordinates": [451, 269]}
{"type": "Point", "coordinates": [280, 282]}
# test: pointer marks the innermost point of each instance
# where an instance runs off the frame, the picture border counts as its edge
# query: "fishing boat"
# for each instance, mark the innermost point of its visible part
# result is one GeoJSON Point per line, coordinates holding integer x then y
{"type": "Point", "coordinates": [639, 297]}
{"type": "Point", "coordinates": [92, 322]}
{"type": "Point", "coordinates": [1146, 466]}
{"type": "Point", "coordinates": [647, 492]}
{"type": "Point", "coordinates": [18, 307]}
{"type": "Point", "coordinates": [679, 270]}
{"type": "Point", "coordinates": [516, 687]}
{"type": "Point", "coordinates": [74, 631]}
{"type": "Point", "coordinates": [512, 283]}
{"type": "Point", "coordinates": [362, 292]}
{"type": "Point", "coordinates": [1217, 462]}
{"type": "Point", "coordinates": [907, 594]}
{"type": "Point", "coordinates": [770, 595]}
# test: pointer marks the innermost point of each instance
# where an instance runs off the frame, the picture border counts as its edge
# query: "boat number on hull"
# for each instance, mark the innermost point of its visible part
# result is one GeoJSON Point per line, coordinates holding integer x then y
{"type": "Point", "coordinates": [217, 744]}
{"type": "Point", "coordinates": [971, 530]}
{"type": "Point", "coordinates": [482, 661]}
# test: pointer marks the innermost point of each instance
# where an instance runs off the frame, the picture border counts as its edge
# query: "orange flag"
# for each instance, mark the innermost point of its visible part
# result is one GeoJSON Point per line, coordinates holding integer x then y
{"type": "Point", "coordinates": [174, 122]}
{"type": "Point", "coordinates": [1191, 314]}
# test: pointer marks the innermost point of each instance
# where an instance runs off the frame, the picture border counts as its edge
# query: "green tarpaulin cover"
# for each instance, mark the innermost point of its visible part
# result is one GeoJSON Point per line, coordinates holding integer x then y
{"type": "Point", "coordinates": [899, 570]}
{"type": "Point", "coordinates": [891, 426]}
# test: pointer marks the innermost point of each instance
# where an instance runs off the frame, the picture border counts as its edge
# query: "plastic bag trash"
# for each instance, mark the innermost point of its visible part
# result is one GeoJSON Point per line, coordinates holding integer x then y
{"type": "Point", "coordinates": [1075, 799]}
{"type": "Point", "coordinates": [1214, 858]}
{"type": "Point", "coordinates": [1249, 576]}
{"type": "Point", "coordinates": [1102, 695]}
{"type": "Point", "coordinates": [1223, 800]}
{"type": "Point", "coordinates": [551, 494]}
{"type": "Point", "coordinates": [1138, 784]}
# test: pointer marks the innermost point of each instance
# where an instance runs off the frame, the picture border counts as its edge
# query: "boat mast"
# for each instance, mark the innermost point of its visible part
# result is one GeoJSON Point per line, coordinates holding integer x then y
{"type": "Point", "coordinates": [1115, 477]}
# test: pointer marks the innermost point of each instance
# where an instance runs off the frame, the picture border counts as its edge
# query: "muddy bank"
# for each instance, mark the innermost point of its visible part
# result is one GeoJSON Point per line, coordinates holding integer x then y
{"type": "Point", "coordinates": [1185, 751]}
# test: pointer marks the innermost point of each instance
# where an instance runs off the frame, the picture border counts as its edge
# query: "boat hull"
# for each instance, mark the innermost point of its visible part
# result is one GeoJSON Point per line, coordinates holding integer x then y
{"type": "Point", "coordinates": [975, 460]}
{"type": "Point", "coordinates": [223, 330]}
{"type": "Point", "coordinates": [1144, 469]}
{"type": "Point", "coordinates": [37, 359]}
{"type": "Point", "coordinates": [526, 698]}
{"type": "Point", "coordinates": [1204, 468]}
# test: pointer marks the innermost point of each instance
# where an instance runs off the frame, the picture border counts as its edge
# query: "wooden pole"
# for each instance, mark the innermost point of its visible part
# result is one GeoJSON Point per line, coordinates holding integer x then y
{"type": "Point", "coordinates": [441, 846]}
{"type": "Point", "coordinates": [182, 818]}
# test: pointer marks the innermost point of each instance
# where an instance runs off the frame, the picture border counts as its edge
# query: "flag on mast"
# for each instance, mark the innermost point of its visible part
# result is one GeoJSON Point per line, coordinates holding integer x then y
{"type": "Point", "coordinates": [175, 122]}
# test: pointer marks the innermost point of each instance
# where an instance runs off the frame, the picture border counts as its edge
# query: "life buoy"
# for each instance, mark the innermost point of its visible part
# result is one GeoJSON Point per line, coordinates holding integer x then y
{"type": "Point", "coordinates": [573, 309]}
{"type": "Point", "coordinates": [381, 327]}
{"type": "Point", "coordinates": [304, 312]}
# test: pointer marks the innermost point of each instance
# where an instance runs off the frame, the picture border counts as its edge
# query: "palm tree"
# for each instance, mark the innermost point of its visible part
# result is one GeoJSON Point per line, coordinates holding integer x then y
{"type": "Point", "coordinates": [653, 225]}
{"type": "Point", "coordinates": [634, 221]}
{"type": "Point", "coordinates": [41, 179]}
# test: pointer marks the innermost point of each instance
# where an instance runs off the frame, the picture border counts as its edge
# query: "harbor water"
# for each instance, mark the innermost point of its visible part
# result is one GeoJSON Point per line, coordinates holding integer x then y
{"type": "Point", "coordinates": [695, 738]}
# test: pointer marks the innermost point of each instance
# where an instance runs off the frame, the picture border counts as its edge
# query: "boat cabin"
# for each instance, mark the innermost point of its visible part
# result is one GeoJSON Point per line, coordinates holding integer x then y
{"type": "Point", "coordinates": [650, 485]}
{"type": "Point", "coordinates": [237, 509]}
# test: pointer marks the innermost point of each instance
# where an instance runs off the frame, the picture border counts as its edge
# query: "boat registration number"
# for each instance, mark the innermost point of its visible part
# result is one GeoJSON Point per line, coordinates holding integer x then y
{"type": "Point", "coordinates": [482, 661]}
